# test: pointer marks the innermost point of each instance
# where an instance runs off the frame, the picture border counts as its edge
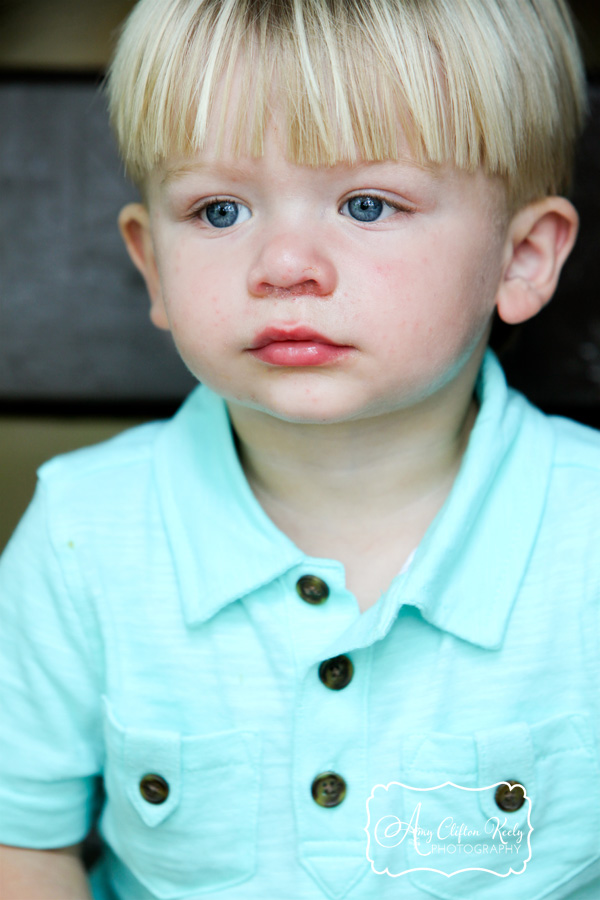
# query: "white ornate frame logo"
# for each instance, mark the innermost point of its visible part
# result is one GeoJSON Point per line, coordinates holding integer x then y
{"type": "Point", "coordinates": [494, 830]}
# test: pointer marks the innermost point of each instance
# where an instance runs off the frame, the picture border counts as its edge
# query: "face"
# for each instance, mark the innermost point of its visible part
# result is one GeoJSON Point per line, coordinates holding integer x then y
{"type": "Point", "coordinates": [323, 294]}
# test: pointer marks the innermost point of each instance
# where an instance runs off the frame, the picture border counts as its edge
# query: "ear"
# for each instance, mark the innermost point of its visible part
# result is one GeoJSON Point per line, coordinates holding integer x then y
{"type": "Point", "coordinates": [540, 238]}
{"type": "Point", "coordinates": [134, 225]}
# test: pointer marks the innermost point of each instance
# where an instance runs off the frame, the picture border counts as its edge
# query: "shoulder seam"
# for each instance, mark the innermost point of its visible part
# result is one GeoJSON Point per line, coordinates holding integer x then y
{"type": "Point", "coordinates": [72, 466]}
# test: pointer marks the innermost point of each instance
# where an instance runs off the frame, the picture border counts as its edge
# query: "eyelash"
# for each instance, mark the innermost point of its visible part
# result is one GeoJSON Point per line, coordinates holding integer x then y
{"type": "Point", "coordinates": [399, 207]}
{"type": "Point", "coordinates": [196, 213]}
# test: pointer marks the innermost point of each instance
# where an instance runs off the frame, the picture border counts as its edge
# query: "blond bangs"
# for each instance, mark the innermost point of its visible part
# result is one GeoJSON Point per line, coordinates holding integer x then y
{"type": "Point", "coordinates": [353, 79]}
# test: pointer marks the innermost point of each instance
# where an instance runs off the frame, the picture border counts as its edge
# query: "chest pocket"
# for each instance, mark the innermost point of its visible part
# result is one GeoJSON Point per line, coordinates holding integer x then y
{"type": "Point", "coordinates": [181, 812]}
{"type": "Point", "coordinates": [556, 761]}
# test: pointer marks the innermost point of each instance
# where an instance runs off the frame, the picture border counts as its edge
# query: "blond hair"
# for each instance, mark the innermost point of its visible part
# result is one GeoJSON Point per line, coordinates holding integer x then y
{"type": "Point", "coordinates": [491, 83]}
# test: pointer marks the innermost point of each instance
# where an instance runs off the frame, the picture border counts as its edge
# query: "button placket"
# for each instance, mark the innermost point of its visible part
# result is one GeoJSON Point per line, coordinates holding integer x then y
{"type": "Point", "coordinates": [320, 610]}
{"type": "Point", "coordinates": [330, 772]}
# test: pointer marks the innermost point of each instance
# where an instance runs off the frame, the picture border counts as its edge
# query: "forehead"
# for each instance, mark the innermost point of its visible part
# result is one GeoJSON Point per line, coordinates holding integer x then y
{"type": "Point", "coordinates": [217, 153]}
{"type": "Point", "coordinates": [237, 140]}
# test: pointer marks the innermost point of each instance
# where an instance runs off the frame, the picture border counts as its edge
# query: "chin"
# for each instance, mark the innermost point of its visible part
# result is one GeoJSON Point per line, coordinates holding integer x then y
{"type": "Point", "coordinates": [318, 414]}
{"type": "Point", "coordinates": [307, 409]}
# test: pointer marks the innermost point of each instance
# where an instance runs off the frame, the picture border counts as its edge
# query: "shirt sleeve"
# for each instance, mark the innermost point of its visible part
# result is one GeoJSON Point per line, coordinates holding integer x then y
{"type": "Point", "coordinates": [50, 725]}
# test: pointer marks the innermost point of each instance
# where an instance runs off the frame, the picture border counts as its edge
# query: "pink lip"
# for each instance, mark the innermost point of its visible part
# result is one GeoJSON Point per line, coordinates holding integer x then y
{"type": "Point", "coordinates": [276, 335]}
{"type": "Point", "coordinates": [296, 346]}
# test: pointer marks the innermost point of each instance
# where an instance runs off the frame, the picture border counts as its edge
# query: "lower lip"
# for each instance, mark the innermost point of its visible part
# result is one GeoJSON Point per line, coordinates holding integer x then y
{"type": "Point", "coordinates": [299, 353]}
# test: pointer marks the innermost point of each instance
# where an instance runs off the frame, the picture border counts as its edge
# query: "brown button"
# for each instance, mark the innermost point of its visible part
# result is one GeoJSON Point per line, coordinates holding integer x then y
{"type": "Point", "coordinates": [312, 589]}
{"type": "Point", "coordinates": [336, 673]}
{"type": "Point", "coordinates": [328, 789]}
{"type": "Point", "coordinates": [154, 789]}
{"type": "Point", "coordinates": [510, 797]}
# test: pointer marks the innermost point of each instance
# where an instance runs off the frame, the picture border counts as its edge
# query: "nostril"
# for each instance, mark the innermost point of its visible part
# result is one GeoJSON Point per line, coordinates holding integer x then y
{"type": "Point", "coordinates": [301, 288]}
{"type": "Point", "coordinates": [310, 286]}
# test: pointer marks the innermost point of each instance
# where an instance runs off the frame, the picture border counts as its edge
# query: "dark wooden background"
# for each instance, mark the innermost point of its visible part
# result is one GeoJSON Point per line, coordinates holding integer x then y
{"type": "Point", "coordinates": [74, 331]}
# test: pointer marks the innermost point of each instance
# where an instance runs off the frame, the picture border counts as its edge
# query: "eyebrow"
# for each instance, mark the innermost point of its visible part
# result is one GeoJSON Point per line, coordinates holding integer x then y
{"type": "Point", "coordinates": [240, 170]}
{"type": "Point", "coordinates": [235, 169]}
{"type": "Point", "coordinates": [429, 168]}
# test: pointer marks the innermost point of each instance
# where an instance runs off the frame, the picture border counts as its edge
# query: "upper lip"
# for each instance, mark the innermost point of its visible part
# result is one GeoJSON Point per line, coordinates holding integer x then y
{"type": "Point", "coordinates": [298, 333]}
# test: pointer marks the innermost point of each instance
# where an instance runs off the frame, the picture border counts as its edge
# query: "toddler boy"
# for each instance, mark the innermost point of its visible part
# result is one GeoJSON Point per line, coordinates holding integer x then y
{"type": "Point", "coordinates": [331, 631]}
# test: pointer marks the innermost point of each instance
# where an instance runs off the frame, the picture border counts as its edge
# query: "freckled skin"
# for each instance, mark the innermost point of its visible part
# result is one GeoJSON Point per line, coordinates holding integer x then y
{"type": "Point", "coordinates": [412, 294]}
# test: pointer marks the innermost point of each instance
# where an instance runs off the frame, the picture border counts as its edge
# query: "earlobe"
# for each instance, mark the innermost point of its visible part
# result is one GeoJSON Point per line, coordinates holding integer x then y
{"type": "Point", "coordinates": [540, 239]}
{"type": "Point", "coordinates": [134, 225]}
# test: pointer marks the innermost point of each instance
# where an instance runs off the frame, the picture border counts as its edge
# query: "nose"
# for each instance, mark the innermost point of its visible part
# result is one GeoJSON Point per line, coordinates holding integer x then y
{"type": "Point", "coordinates": [288, 263]}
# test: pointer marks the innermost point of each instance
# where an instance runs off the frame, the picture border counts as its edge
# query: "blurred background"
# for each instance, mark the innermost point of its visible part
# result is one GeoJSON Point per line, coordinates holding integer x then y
{"type": "Point", "coordinates": [79, 360]}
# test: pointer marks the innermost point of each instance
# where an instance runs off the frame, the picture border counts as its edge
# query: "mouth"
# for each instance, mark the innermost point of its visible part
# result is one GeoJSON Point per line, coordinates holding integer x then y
{"type": "Point", "coordinates": [289, 335]}
{"type": "Point", "coordinates": [296, 346]}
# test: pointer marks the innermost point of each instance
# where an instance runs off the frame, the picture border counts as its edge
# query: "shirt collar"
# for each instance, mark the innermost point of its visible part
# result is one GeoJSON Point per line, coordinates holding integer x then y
{"type": "Point", "coordinates": [465, 573]}
{"type": "Point", "coordinates": [223, 544]}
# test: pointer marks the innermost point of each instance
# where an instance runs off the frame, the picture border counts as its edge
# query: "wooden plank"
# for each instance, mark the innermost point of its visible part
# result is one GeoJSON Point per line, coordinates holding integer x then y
{"type": "Point", "coordinates": [74, 328]}
{"type": "Point", "coordinates": [73, 311]}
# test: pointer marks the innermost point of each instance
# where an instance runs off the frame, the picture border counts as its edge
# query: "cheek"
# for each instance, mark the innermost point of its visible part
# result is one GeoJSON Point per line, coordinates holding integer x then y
{"type": "Point", "coordinates": [436, 297]}
{"type": "Point", "coordinates": [464, 274]}
{"type": "Point", "coordinates": [196, 296]}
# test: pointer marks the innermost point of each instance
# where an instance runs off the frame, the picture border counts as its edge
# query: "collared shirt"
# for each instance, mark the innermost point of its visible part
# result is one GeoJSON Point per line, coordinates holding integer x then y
{"type": "Point", "coordinates": [164, 665]}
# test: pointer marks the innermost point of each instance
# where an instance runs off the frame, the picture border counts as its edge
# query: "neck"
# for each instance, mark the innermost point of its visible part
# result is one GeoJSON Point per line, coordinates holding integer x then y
{"type": "Point", "coordinates": [383, 466]}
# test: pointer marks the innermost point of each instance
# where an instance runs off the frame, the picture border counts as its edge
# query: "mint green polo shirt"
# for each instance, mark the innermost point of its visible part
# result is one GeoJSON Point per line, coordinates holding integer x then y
{"type": "Point", "coordinates": [162, 673]}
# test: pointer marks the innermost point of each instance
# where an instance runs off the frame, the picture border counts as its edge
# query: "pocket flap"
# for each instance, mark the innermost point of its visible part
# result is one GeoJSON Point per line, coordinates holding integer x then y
{"type": "Point", "coordinates": [153, 753]}
{"type": "Point", "coordinates": [505, 754]}
{"type": "Point", "coordinates": [147, 752]}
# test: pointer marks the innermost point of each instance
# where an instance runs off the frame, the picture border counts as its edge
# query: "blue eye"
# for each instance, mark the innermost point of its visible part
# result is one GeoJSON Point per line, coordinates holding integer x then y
{"type": "Point", "coordinates": [224, 213]}
{"type": "Point", "coordinates": [365, 209]}
{"type": "Point", "coordinates": [371, 208]}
